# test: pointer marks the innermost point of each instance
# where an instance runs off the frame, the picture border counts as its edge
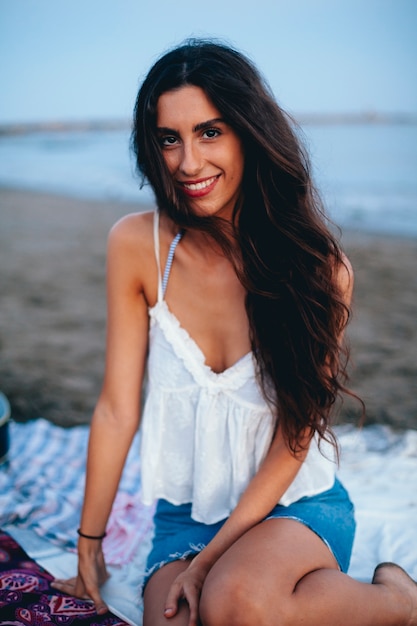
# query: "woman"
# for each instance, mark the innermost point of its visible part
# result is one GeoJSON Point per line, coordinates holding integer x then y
{"type": "Point", "coordinates": [235, 296]}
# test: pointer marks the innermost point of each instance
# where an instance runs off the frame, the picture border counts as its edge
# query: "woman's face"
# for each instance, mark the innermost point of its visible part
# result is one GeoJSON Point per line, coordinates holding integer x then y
{"type": "Point", "coordinates": [203, 154]}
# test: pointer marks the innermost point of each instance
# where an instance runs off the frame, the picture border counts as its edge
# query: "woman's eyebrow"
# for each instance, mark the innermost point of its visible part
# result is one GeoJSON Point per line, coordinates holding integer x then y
{"type": "Point", "coordinates": [201, 126]}
{"type": "Point", "coordinates": [164, 130]}
{"type": "Point", "coordinates": [208, 124]}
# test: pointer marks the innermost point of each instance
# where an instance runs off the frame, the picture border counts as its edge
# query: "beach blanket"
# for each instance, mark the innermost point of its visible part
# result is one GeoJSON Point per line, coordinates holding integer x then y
{"type": "Point", "coordinates": [42, 485]}
{"type": "Point", "coordinates": [26, 596]}
{"type": "Point", "coordinates": [41, 492]}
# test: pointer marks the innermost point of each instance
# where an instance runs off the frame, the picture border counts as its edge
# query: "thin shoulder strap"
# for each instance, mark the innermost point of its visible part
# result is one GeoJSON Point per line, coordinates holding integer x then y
{"type": "Point", "coordinates": [157, 255]}
{"type": "Point", "coordinates": [170, 258]}
{"type": "Point", "coordinates": [163, 282]}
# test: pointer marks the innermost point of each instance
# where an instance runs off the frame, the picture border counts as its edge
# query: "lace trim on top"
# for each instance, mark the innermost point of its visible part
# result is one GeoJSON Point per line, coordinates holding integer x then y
{"type": "Point", "coordinates": [191, 355]}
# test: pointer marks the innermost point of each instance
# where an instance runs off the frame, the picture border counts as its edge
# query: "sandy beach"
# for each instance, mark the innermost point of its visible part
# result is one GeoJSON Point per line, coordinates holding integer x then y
{"type": "Point", "coordinates": [52, 321]}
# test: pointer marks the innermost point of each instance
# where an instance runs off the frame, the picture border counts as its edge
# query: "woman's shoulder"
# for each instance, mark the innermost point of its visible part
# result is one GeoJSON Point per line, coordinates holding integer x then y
{"type": "Point", "coordinates": [132, 236]}
{"type": "Point", "coordinates": [130, 242]}
{"type": "Point", "coordinates": [131, 255]}
{"type": "Point", "coordinates": [133, 226]}
{"type": "Point", "coordinates": [138, 228]}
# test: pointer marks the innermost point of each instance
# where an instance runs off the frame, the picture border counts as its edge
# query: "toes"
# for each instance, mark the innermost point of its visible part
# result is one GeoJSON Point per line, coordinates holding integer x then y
{"type": "Point", "coordinates": [386, 566]}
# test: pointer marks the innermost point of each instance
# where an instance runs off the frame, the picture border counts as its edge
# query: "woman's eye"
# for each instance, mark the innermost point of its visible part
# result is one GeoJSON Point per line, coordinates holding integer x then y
{"type": "Point", "coordinates": [168, 140]}
{"type": "Point", "coordinates": [211, 133]}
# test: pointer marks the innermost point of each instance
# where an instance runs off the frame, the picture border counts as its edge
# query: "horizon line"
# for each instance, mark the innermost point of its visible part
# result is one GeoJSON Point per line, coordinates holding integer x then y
{"type": "Point", "coordinates": [113, 124]}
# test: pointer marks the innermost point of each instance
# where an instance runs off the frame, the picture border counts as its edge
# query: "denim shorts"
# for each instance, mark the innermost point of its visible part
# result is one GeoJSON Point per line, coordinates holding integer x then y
{"type": "Point", "coordinates": [329, 514]}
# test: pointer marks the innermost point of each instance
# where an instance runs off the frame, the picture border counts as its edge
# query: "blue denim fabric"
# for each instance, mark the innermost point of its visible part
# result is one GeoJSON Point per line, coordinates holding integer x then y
{"type": "Point", "coordinates": [329, 514]}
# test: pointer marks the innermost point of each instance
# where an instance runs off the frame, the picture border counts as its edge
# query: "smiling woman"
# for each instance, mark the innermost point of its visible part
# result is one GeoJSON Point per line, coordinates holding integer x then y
{"type": "Point", "coordinates": [234, 295]}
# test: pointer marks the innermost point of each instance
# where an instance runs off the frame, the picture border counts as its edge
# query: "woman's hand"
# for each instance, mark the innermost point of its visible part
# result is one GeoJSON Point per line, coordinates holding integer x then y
{"type": "Point", "coordinates": [92, 573]}
{"type": "Point", "coordinates": [187, 586]}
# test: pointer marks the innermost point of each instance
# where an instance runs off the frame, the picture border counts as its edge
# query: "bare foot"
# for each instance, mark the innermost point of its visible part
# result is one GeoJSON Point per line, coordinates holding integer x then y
{"type": "Point", "coordinates": [395, 578]}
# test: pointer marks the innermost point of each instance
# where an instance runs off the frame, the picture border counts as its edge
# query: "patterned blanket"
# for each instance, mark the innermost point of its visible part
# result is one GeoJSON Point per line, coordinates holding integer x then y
{"type": "Point", "coordinates": [26, 596]}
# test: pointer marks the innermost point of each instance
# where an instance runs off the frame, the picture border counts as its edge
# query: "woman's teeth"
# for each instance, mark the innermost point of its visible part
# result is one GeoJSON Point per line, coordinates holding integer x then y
{"type": "Point", "coordinates": [198, 186]}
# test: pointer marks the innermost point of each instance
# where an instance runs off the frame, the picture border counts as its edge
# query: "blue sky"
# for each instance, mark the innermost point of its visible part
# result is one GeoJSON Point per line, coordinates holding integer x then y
{"type": "Point", "coordinates": [84, 59]}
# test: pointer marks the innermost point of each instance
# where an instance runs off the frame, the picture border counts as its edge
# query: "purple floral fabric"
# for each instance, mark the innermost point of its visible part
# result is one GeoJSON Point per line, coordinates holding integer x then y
{"type": "Point", "coordinates": [27, 599]}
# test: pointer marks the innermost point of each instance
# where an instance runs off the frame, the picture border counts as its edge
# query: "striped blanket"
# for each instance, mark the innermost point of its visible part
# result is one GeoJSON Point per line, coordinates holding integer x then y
{"type": "Point", "coordinates": [41, 487]}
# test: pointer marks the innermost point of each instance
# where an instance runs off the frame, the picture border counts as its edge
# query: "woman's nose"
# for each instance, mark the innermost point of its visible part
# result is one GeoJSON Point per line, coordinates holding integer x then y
{"type": "Point", "coordinates": [191, 159]}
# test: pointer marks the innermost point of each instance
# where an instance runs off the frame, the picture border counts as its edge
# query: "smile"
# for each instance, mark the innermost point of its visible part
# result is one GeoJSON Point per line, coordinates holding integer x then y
{"type": "Point", "coordinates": [197, 187]}
{"type": "Point", "coordinates": [202, 185]}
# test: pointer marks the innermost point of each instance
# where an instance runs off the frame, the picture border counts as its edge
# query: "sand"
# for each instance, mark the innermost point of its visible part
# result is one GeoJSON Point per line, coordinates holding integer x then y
{"type": "Point", "coordinates": [52, 316]}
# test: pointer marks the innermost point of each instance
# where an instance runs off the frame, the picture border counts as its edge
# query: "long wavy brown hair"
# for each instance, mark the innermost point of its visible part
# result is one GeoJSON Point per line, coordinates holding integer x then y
{"type": "Point", "coordinates": [282, 248]}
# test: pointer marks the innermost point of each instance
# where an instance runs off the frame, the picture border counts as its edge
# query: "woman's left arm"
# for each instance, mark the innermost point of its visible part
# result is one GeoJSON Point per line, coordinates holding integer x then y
{"type": "Point", "coordinates": [266, 488]}
{"type": "Point", "coordinates": [273, 478]}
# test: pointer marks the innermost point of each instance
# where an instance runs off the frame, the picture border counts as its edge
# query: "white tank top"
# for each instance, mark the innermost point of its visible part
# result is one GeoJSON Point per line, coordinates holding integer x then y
{"type": "Point", "coordinates": [205, 434]}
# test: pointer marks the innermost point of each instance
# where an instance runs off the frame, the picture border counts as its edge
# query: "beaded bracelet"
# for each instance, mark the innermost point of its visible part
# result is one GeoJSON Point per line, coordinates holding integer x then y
{"type": "Point", "coordinates": [98, 537]}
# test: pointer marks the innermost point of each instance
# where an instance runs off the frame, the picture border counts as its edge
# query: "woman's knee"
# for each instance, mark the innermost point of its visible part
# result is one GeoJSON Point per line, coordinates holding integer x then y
{"type": "Point", "coordinates": [237, 598]}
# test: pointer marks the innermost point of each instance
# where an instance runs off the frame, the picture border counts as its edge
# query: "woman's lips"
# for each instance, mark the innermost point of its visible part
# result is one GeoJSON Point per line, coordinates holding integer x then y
{"type": "Point", "coordinates": [198, 188]}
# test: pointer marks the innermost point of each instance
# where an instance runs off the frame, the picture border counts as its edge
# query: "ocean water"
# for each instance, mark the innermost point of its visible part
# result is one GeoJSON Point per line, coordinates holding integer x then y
{"type": "Point", "coordinates": [366, 173]}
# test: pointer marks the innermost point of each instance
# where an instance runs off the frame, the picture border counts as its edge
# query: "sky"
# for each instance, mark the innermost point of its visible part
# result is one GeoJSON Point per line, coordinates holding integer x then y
{"type": "Point", "coordinates": [76, 60]}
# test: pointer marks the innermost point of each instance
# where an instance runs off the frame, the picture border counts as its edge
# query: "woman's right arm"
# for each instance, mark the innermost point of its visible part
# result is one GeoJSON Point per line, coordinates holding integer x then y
{"type": "Point", "coordinates": [116, 416]}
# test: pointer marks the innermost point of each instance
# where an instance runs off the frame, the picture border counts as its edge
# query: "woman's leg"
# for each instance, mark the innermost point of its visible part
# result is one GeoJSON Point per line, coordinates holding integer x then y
{"type": "Point", "coordinates": [281, 573]}
{"type": "Point", "coordinates": [155, 595]}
